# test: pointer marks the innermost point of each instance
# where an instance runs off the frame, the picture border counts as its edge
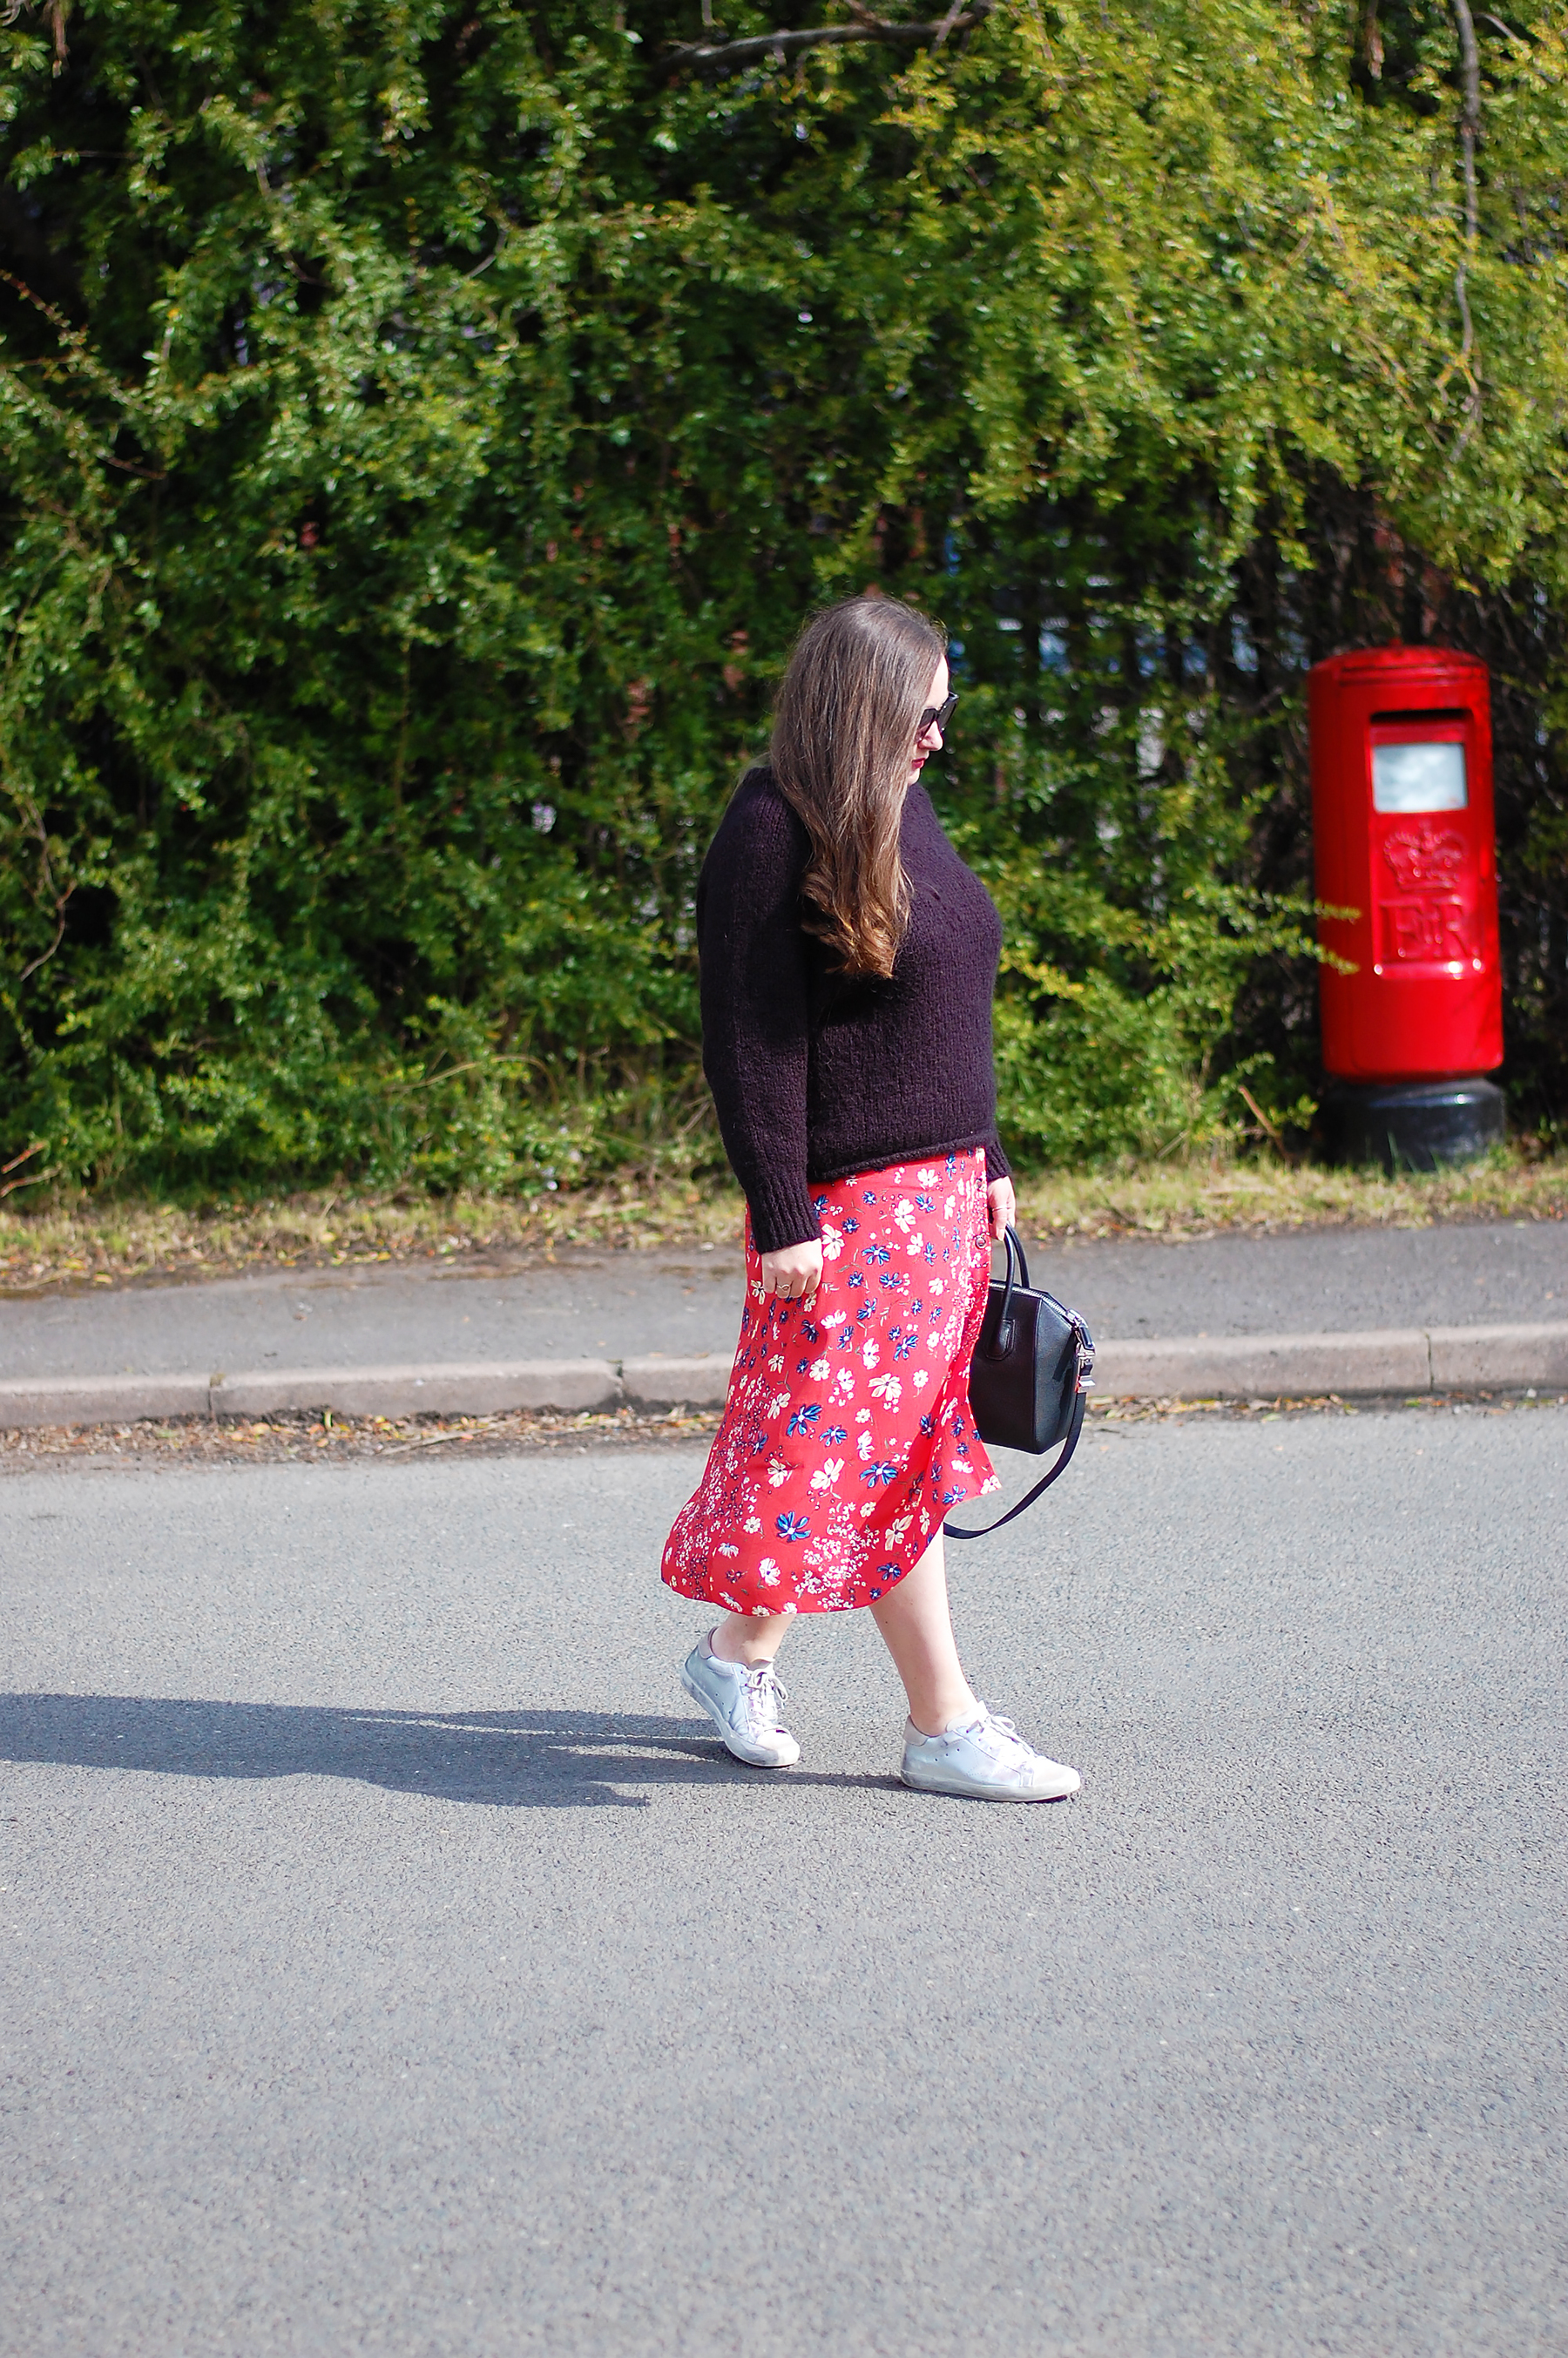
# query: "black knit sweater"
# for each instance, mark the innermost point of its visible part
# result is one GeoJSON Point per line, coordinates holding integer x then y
{"type": "Point", "coordinates": [815, 1075]}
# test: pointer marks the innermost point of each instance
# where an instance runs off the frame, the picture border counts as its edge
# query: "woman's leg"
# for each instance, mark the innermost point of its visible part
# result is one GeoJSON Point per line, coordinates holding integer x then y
{"type": "Point", "coordinates": [918, 1628]}
{"type": "Point", "coordinates": [731, 1673]}
{"type": "Point", "coordinates": [956, 1747]}
{"type": "Point", "coordinates": [749, 1637]}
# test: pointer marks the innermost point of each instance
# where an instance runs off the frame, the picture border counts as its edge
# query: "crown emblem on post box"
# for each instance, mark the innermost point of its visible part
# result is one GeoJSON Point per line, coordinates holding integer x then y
{"type": "Point", "coordinates": [1424, 856]}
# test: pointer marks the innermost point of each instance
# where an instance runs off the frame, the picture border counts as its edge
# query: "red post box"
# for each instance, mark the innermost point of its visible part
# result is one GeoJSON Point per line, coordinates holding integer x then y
{"type": "Point", "coordinates": [1401, 795]}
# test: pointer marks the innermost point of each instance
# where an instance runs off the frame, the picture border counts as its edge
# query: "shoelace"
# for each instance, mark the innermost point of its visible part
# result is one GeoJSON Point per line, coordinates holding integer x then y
{"type": "Point", "coordinates": [763, 1696]}
{"type": "Point", "coordinates": [994, 1725]}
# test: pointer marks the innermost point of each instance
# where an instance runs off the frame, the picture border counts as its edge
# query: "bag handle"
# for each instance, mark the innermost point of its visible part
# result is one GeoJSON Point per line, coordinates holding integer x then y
{"type": "Point", "coordinates": [1074, 1430]}
{"type": "Point", "coordinates": [1014, 1243]}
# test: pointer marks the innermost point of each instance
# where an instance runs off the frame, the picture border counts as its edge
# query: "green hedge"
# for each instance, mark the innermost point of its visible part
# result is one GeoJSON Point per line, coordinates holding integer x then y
{"type": "Point", "coordinates": [422, 428]}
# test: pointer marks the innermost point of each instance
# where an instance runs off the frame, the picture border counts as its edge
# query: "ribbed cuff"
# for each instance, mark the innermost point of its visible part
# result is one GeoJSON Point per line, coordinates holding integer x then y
{"type": "Point", "coordinates": [781, 1215]}
{"type": "Point", "coordinates": [997, 1163]}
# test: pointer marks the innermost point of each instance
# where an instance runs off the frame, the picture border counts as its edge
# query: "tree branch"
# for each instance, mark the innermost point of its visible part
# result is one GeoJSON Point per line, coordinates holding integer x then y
{"type": "Point", "coordinates": [1470, 114]}
{"type": "Point", "coordinates": [38, 1146]}
{"type": "Point", "coordinates": [1370, 40]}
{"type": "Point", "coordinates": [728, 54]}
{"type": "Point", "coordinates": [55, 13]}
{"type": "Point", "coordinates": [1469, 133]}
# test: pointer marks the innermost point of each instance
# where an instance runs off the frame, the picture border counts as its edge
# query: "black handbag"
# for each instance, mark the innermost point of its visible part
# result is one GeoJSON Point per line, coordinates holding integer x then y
{"type": "Point", "coordinates": [1028, 1376]}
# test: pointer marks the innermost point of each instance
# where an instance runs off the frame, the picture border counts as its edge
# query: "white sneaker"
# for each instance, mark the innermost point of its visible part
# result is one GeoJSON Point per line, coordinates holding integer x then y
{"type": "Point", "coordinates": [988, 1760]}
{"type": "Point", "coordinates": [743, 1706]}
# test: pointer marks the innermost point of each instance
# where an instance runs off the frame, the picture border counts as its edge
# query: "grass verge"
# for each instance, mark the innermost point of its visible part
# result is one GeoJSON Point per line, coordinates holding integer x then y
{"type": "Point", "coordinates": [336, 1440]}
{"type": "Point", "coordinates": [86, 1240]}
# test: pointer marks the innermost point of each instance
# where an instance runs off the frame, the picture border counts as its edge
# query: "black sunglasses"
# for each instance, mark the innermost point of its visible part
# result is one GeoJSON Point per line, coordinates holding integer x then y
{"type": "Point", "coordinates": [936, 716]}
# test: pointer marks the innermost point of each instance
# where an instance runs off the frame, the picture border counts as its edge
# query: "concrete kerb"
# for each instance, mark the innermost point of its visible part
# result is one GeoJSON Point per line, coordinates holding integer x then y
{"type": "Point", "coordinates": [1407, 1360]}
{"type": "Point", "coordinates": [1391, 1361]}
{"type": "Point", "coordinates": [479, 1388]}
{"type": "Point", "coordinates": [1243, 1366]}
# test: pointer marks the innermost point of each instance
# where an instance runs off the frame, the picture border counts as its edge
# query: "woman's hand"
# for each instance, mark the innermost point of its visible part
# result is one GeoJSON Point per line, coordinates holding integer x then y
{"type": "Point", "coordinates": [1001, 1207]}
{"type": "Point", "coordinates": [794, 1273]}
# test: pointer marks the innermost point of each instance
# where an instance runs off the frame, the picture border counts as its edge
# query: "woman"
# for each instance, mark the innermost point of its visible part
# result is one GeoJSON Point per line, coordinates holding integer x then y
{"type": "Point", "coordinates": [849, 959]}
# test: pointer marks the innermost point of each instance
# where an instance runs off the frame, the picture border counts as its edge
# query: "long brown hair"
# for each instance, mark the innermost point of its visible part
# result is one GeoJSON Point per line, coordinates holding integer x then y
{"type": "Point", "coordinates": [844, 726]}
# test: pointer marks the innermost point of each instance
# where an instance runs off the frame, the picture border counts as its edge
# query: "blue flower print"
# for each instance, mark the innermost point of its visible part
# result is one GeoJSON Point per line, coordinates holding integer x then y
{"type": "Point", "coordinates": [899, 1243]}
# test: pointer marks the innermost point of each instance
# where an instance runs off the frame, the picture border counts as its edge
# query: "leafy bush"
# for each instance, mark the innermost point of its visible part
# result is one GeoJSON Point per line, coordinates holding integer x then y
{"type": "Point", "coordinates": [424, 428]}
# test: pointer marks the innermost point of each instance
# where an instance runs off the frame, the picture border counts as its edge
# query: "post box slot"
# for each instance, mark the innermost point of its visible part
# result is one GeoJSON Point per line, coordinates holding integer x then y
{"type": "Point", "coordinates": [1430, 719]}
{"type": "Point", "coordinates": [1417, 762]}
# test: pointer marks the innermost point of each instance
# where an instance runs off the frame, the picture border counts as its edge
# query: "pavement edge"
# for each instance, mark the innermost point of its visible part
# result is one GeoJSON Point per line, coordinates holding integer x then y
{"type": "Point", "coordinates": [1407, 1360]}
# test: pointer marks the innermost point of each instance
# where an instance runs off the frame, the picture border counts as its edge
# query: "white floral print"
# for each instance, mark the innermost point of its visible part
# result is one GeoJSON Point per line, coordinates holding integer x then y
{"type": "Point", "coordinates": [884, 1353]}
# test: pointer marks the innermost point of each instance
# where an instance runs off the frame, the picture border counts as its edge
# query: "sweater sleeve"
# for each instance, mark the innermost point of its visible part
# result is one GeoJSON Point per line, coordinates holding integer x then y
{"type": "Point", "coordinates": [755, 987]}
{"type": "Point", "coordinates": [996, 1164]}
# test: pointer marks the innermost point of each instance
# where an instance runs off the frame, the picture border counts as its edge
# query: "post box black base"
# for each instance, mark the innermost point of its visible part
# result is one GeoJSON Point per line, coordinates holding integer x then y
{"type": "Point", "coordinates": [1411, 1125]}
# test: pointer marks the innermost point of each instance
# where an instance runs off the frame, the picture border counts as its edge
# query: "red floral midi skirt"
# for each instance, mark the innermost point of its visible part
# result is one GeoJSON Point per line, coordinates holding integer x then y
{"type": "Point", "coordinates": [847, 1434]}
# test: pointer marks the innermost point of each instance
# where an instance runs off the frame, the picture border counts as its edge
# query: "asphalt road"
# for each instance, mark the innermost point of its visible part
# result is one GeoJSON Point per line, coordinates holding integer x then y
{"type": "Point", "coordinates": [391, 1964]}
{"type": "Point", "coordinates": [589, 1303]}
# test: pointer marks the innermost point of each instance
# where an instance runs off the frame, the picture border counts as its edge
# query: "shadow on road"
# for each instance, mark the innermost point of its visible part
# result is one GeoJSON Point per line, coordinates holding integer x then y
{"type": "Point", "coordinates": [512, 1760]}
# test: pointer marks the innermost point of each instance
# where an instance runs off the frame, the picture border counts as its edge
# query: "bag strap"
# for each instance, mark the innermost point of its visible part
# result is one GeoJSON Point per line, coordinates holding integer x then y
{"type": "Point", "coordinates": [1074, 1430]}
